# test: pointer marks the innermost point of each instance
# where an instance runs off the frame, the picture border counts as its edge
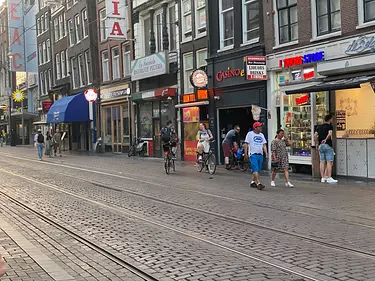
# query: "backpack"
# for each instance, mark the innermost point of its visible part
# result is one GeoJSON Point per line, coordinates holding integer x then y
{"type": "Point", "coordinates": [40, 138]}
{"type": "Point", "coordinates": [166, 134]}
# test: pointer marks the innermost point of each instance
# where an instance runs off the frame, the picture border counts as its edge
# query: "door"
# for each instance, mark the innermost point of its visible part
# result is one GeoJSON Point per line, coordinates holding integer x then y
{"type": "Point", "coordinates": [116, 130]}
{"type": "Point", "coordinates": [157, 139]}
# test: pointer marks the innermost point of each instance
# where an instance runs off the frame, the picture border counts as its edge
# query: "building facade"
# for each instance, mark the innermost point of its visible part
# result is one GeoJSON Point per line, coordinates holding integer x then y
{"type": "Point", "coordinates": [115, 68]}
{"type": "Point", "coordinates": [233, 90]}
{"type": "Point", "coordinates": [155, 69]}
{"type": "Point", "coordinates": [320, 60]}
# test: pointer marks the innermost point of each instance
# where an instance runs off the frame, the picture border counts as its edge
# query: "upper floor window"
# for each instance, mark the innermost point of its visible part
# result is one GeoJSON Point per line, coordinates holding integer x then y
{"type": "Point", "coordinates": [226, 20]}
{"type": "Point", "coordinates": [85, 27]}
{"type": "Point", "coordinates": [251, 22]}
{"type": "Point", "coordinates": [188, 69]}
{"type": "Point", "coordinates": [186, 19]}
{"type": "Point", "coordinates": [115, 63]}
{"type": "Point", "coordinates": [172, 28]}
{"type": "Point", "coordinates": [201, 58]}
{"type": "Point", "coordinates": [126, 60]}
{"type": "Point", "coordinates": [369, 9]}
{"type": "Point", "coordinates": [87, 67]}
{"type": "Point", "coordinates": [200, 17]}
{"type": "Point", "coordinates": [159, 33]}
{"type": "Point", "coordinates": [58, 67]}
{"type": "Point", "coordinates": [71, 33]}
{"type": "Point", "coordinates": [103, 28]}
{"type": "Point", "coordinates": [46, 21]}
{"type": "Point", "coordinates": [61, 26]}
{"type": "Point", "coordinates": [77, 23]}
{"type": "Point", "coordinates": [56, 29]}
{"type": "Point", "coordinates": [105, 66]}
{"type": "Point", "coordinates": [80, 71]}
{"type": "Point", "coordinates": [328, 16]}
{"type": "Point", "coordinates": [38, 27]}
{"type": "Point", "coordinates": [288, 20]}
{"type": "Point", "coordinates": [147, 30]}
{"type": "Point", "coordinates": [48, 50]}
{"type": "Point", "coordinates": [43, 23]}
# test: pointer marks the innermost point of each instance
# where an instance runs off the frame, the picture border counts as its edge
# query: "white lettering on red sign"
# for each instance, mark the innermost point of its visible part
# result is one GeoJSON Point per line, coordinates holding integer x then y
{"type": "Point", "coordinates": [117, 19]}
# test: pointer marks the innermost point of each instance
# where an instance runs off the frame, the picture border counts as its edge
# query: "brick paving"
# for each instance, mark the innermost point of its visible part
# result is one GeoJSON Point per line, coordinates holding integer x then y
{"type": "Point", "coordinates": [340, 214]}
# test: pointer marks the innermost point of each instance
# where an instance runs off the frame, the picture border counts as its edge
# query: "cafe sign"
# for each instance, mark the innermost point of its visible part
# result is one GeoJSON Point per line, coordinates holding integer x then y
{"type": "Point", "coordinates": [363, 44]}
{"type": "Point", "coordinates": [150, 66]}
{"type": "Point", "coordinates": [229, 73]}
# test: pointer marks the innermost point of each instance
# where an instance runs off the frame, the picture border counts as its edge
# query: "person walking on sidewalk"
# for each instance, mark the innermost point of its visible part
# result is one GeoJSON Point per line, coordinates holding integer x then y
{"type": "Point", "coordinates": [280, 159]}
{"type": "Point", "coordinates": [56, 141]}
{"type": "Point", "coordinates": [39, 142]}
{"type": "Point", "coordinates": [326, 152]}
{"type": "Point", "coordinates": [48, 145]}
{"type": "Point", "coordinates": [255, 146]}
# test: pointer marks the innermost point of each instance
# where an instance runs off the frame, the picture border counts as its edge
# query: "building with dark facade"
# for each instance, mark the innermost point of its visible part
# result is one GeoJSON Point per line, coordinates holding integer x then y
{"type": "Point", "coordinates": [235, 31]}
{"type": "Point", "coordinates": [115, 68]}
{"type": "Point", "coordinates": [321, 60]}
{"type": "Point", "coordinates": [154, 70]}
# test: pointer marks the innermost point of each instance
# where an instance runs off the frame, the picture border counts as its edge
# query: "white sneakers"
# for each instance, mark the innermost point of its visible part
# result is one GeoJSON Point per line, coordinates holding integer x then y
{"type": "Point", "coordinates": [328, 180]}
{"type": "Point", "coordinates": [288, 184]}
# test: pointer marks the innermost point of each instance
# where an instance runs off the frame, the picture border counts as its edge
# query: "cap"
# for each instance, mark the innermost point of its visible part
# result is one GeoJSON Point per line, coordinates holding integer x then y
{"type": "Point", "coordinates": [39, 130]}
{"type": "Point", "coordinates": [257, 124]}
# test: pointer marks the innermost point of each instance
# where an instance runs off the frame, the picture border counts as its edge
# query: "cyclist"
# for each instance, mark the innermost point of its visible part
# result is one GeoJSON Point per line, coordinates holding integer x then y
{"type": "Point", "coordinates": [169, 138]}
{"type": "Point", "coordinates": [204, 137]}
{"type": "Point", "coordinates": [231, 139]}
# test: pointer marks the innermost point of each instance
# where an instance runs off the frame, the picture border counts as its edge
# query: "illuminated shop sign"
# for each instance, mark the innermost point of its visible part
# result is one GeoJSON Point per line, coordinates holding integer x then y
{"type": "Point", "coordinates": [301, 60]}
{"type": "Point", "coordinates": [229, 73]}
{"type": "Point", "coordinates": [302, 100]}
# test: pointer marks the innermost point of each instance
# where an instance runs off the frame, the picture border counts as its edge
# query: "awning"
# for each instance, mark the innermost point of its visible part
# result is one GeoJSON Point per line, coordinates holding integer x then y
{"type": "Point", "coordinates": [340, 84]}
{"type": "Point", "coordinates": [298, 86]}
{"type": "Point", "coordinates": [69, 109]}
{"type": "Point", "coordinates": [191, 104]}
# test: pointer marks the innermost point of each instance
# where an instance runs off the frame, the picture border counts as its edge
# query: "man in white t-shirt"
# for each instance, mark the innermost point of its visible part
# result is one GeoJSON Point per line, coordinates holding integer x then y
{"type": "Point", "coordinates": [256, 146]}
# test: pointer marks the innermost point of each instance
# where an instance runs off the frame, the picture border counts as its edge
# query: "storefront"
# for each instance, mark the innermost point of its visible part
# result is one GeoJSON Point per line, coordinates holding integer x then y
{"type": "Point", "coordinates": [235, 90]}
{"type": "Point", "coordinates": [153, 110]}
{"type": "Point", "coordinates": [347, 90]}
{"type": "Point", "coordinates": [116, 118]}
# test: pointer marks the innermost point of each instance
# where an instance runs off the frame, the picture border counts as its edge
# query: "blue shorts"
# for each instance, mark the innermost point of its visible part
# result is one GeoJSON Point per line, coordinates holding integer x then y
{"type": "Point", "coordinates": [256, 162]}
{"type": "Point", "coordinates": [326, 153]}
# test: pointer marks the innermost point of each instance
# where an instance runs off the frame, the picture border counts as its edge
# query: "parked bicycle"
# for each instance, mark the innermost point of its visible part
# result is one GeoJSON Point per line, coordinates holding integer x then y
{"type": "Point", "coordinates": [138, 147]}
{"type": "Point", "coordinates": [237, 160]}
{"type": "Point", "coordinates": [208, 160]}
{"type": "Point", "coordinates": [168, 159]}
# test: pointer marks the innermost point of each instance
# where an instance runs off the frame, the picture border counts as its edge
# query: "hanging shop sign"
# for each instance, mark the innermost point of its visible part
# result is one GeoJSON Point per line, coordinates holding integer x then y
{"type": "Point", "coordinates": [91, 95]}
{"type": "Point", "coordinates": [303, 100]}
{"type": "Point", "coordinates": [150, 66]}
{"type": "Point", "coordinates": [301, 60]}
{"type": "Point", "coordinates": [256, 68]}
{"type": "Point", "coordinates": [199, 79]}
{"type": "Point", "coordinates": [46, 105]}
{"type": "Point", "coordinates": [229, 73]}
{"type": "Point", "coordinates": [362, 44]}
{"type": "Point", "coordinates": [18, 96]}
{"type": "Point", "coordinates": [191, 114]}
{"type": "Point", "coordinates": [117, 19]}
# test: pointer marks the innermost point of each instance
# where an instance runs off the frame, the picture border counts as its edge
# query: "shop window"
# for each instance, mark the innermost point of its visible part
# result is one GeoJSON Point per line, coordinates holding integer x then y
{"type": "Point", "coordinates": [200, 17]}
{"type": "Point", "coordinates": [164, 113]}
{"type": "Point", "coordinates": [145, 120]}
{"type": "Point", "coordinates": [251, 22]}
{"type": "Point", "coordinates": [288, 20]}
{"type": "Point", "coordinates": [188, 69]}
{"type": "Point", "coordinates": [108, 127]}
{"type": "Point", "coordinates": [328, 16]}
{"type": "Point", "coordinates": [369, 10]}
{"type": "Point", "coordinates": [125, 124]}
{"type": "Point", "coordinates": [186, 20]}
{"type": "Point", "coordinates": [226, 21]}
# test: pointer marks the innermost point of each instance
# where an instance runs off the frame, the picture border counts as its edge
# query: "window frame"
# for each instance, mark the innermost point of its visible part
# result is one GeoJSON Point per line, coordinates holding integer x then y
{"type": "Point", "coordinates": [329, 15]}
{"type": "Point", "coordinates": [200, 31]}
{"type": "Point", "coordinates": [44, 49]}
{"type": "Point", "coordinates": [40, 52]}
{"type": "Point", "coordinates": [77, 29]}
{"type": "Point", "coordinates": [158, 31]}
{"type": "Point", "coordinates": [72, 67]}
{"type": "Point", "coordinates": [288, 7]}
{"type": "Point", "coordinates": [362, 23]}
{"type": "Point", "coordinates": [126, 52]}
{"type": "Point", "coordinates": [67, 61]}
{"type": "Point", "coordinates": [197, 56]}
{"type": "Point", "coordinates": [187, 34]}
{"type": "Point", "coordinates": [172, 27]}
{"type": "Point", "coordinates": [63, 65]}
{"type": "Point", "coordinates": [146, 44]}
{"type": "Point", "coordinates": [48, 44]}
{"type": "Point", "coordinates": [50, 77]}
{"type": "Point", "coordinates": [41, 81]}
{"type": "Point", "coordinates": [102, 25]}
{"type": "Point", "coordinates": [221, 26]}
{"type": "Point", "coordinates": [71, 33]}
{"type": "Point", "coordinates": [188, 88]}
{"type": "Point", "coordinates": [47, 83]}
{"type": "Point", "coordinates": [56, 29]}
{"type": "Point", "coordinates": [117, 58]}
{"type": "Point", "coordinates": [87, 66]}
{"type": "Point", "coordinates": [58, 66]}
{"type": "Point", "coordinates": [61, 27]}
{"type": "Point", "coordinates": [106, 62]}
{"type": "Point", "coordinates": [81, 79]}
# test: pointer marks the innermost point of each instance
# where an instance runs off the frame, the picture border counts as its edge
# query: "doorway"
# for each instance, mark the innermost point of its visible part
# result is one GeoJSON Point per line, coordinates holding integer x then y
{"type": "Point", "coordinates": [116, 130]}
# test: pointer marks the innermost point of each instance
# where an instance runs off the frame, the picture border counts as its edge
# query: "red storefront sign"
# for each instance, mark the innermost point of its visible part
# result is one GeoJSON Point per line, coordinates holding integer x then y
{"type": "Point", "coordinates": [190, 151]}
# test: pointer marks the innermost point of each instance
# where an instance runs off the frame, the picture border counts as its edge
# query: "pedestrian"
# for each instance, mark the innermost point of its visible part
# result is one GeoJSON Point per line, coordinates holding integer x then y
{"type": "Point", "coordinates": [280, 159]}
{"type": "Point", "coordinates": [48, 145]}
{"type": "Point", "coordinates": [2, 266]}
{"type": "Point", "coordinates": [39, 143]}
{"type": "Point", "coordinates": [255, 147]}
{"type": "Point", "coordinates": [56, 141]}
{"type": "Point", "coordinates": [324, 136]}
{"type": "Point", "coordinates": [2, 137]}
{"type": "Point", "coordinates": [231, 140]}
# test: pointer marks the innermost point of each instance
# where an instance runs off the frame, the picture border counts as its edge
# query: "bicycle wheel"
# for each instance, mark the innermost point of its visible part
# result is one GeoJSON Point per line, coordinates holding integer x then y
{"type": "Point", "coordinates": [243, 165]}
{"type": "Point", "coordinates": [166, 166]}
{"type": "Point", "coordinates": [142, 152]}
{"type": "Point", "coordinates": [211, 164]}
{"type": "Point", "coordinates": [131, 151]}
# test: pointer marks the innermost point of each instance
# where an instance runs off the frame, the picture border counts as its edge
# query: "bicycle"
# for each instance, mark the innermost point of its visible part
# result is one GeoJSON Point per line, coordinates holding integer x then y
{"type": "Point", "coordinates": [168, 160]}
{"type": "Point", "coordinates": [208, 160]}
{"type": "Point", "coordinates": [238, 163]}
{"type": "Point", "coordinates": [138, 146]}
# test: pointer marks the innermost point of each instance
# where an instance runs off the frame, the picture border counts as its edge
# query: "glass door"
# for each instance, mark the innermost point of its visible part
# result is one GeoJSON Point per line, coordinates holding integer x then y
{"type": "Point", "coordinates": [116, 130]}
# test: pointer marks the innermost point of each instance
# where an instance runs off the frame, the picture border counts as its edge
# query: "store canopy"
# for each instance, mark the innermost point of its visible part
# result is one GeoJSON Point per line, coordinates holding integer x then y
{"type": "Point", "coordinates": [340, 84]}
{"type": "Point", "coordinates": [69, 109]}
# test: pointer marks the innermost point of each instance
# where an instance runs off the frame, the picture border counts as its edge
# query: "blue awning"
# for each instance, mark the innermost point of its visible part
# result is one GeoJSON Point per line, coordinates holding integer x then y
{"type": "Point", "coordinates": [69, 109]}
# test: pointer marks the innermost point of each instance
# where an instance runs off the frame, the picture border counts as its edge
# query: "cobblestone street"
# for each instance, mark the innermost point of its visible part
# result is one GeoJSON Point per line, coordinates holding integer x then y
{"type": "Point", "coordinates": [107, 217]}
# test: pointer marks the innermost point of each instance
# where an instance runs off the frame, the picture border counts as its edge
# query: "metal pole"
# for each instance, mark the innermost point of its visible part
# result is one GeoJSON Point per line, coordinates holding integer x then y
{"type": "Point", "coordinates": [27, 79]}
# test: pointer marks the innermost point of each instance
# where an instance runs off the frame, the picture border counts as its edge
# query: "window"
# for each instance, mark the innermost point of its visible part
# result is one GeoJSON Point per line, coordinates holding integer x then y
{"type": "Point", "coordinates": [186, 18]}
{"type": "Point", "coordinates": [105, 67]}
{"type": "Point", "coordinates": [200, 16]}
{"type": "Point", "coordinates": [159, 32]}
{"type": "Point", "coordinates": [58, 67]}
{"type": "Point", "coordinates": [38, 27]}
{"type": "Point", "coordinates": [369, 9]}
{"type": "Point", "coordinates": [226, 23]}
{"type": "Point", "coordinates": [85, 28]}
{"type": "Point", "coordinates": [50, 78]}
{"type": "Point", "coordinates": [61, 26]}
{"type": "Point", "coordinates": [48, 50]}
{"type": "Point", "coordinates": [328, 16]}
{"type": "Point", "coordinates": [65, 27]}
{"type": "Point", "coordinates": [251, 20]}
{"type": "Point", "coordinates": [126, 60]}
{"type": "Point", "coordinates": [71, 33]}
{"type": "Point", "coordinates": [43, 24]}
{"type": "Point", "coordinates": [73, 73]}
{"type": "Point", "coordinates": [103, 28]}
{"type": "Point", "coordinates": [68, 70]}
{"type": "Point", "coordinates": [47, 82]}
{"type": "Point", "coordinates": [188, 69]}
{"type": "Point", "coordinates": [46, 21]}
{"type": "Point", "coordinates": [41, 83]}
{"type": "Point", "coordinates": [115, 64]}
{"type": "Point", "coordinates": [44, 52]}
{"type": "Point", "coordinates": [87, 66]}
{"type": "Point", "coordinates": [56, 28]}
{"type": "Point", "coordinates": [147, 30]}
{"type": "Point", "coordinates": [80, 72]}
{"type": "Point", "coordinates": [69, 4]}
{"type": "Point", "coordinates": [40, 51]}
{"type": "Point", "coordinates": [172, 28]}
{"type": "Point", "coordinates": [288, 20]}
{"type": "Point", "coordinates": [77, 22]}
{"type": "Point", "coordinates": [63, 67]}
{"type": "Point", "coordinates": [201, 58]}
